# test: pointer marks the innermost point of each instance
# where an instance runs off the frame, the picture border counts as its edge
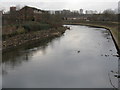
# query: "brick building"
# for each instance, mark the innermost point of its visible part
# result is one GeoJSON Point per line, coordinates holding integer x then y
{"type": "Point", "coordinates": [25, 14]}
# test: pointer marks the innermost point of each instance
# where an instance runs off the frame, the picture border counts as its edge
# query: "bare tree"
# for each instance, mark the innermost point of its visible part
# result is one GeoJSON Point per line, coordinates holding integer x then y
{"type": "Point", "coordinates": [109, 15]}
{"type": "Point", "coordinates": [109, 11]}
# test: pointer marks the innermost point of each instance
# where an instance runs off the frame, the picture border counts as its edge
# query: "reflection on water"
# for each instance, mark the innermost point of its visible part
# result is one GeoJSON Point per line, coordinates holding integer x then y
{"type": "Point", "coordinates": [18, 56]}
{"type": "Point", "coordinates": [81, 58]}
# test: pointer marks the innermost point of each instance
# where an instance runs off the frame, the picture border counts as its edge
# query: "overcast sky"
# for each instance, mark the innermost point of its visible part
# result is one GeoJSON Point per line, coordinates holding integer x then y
{"type": "Point", "coordinates": [98, 5]}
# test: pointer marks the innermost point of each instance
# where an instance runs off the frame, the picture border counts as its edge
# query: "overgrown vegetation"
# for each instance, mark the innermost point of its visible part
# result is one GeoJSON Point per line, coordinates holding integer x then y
{"type": "Point", "coordinates": [47, 22]}
{"type": "Point", "coordinates": [35, 26]}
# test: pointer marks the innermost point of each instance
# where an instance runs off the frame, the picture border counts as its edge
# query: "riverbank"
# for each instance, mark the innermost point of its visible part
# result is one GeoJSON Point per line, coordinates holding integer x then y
{"type": "Point", "coordinates": [31, 38]}
{"type": "Point", "coordinates": [79, 50]}
{"type": "Point", "coordinates": [111, 26]}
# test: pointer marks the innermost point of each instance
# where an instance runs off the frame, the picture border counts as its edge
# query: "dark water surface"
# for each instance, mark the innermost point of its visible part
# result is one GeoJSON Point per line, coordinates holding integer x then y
{"type": "Point", "coordinates": [82, 58]}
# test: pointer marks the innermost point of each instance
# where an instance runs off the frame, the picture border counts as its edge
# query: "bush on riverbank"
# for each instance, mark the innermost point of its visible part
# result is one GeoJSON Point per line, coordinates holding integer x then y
{"type": "Point", "coordinates": [35, 26]}
{"type": "Point", "coordinates": [47, 22]}
{"type": "Point", "coordinates": [24, 28]}
{"type": "Point", "coordinates": [31, 38]}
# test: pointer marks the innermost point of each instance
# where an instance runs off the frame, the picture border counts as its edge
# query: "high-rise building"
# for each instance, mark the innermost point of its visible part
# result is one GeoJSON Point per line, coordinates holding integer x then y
{"type": "Point", "coordinates": [51, 12]}
{"type": "Point", "coordinates": [81, 11]}
{"type": "Point", "coordinates": [1, 12]}
{"type": "Point", "coordinates": [65, 11]}
{"type": "Point", "coordinates": [119, 7]}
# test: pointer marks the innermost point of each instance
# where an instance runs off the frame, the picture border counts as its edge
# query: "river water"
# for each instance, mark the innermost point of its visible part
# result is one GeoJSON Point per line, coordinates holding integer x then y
{"type": "Point", "coordinates": [83, 57]}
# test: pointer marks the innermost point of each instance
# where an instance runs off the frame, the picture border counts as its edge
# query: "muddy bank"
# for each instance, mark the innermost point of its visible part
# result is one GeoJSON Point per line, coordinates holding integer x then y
{"type": "Point", "coordinates": [31, 38]}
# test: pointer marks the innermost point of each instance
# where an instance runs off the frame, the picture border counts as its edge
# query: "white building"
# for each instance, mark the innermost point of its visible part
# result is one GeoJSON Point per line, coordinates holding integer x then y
{"type": "Point", "coordinates": [51, 12]}
{"type": "Point", "coordinates": [91, 12]}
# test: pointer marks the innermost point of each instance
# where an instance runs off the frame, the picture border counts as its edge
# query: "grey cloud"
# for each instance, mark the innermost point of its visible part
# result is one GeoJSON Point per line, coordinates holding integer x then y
{"type": "Point", "coordinates": [62, 4]}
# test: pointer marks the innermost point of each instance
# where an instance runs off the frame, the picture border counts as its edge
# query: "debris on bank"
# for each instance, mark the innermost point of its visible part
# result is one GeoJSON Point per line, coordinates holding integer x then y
{"type": "Point", "coordinates": [31, 37]}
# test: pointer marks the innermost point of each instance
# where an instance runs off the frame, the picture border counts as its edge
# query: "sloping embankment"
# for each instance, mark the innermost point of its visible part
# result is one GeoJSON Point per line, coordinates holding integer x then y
{"type": "Point", "coordinates": [31, 38]}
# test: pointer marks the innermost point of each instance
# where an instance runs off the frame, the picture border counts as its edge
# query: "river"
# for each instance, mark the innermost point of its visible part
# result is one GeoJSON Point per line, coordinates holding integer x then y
{"type": "Point", "coordinates": [83, 57]}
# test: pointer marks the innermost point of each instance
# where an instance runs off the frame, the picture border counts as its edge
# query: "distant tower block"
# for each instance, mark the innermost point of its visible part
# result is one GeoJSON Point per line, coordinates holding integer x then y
{"type": "Point", "coordinates": [119, 7]}
{"type": "Point", "coordinates": [81, 11]}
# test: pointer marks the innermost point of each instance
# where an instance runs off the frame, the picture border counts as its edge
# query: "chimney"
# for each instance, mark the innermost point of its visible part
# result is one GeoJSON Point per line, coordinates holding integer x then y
{"type": "Point", "coordinates": [12, 9]}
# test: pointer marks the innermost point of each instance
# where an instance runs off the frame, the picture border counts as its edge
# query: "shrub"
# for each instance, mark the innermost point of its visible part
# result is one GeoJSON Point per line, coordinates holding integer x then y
{"type": "Point", "coordinates": [20, 30]}
{"type": "Point", "coordinates": [35, 26]}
